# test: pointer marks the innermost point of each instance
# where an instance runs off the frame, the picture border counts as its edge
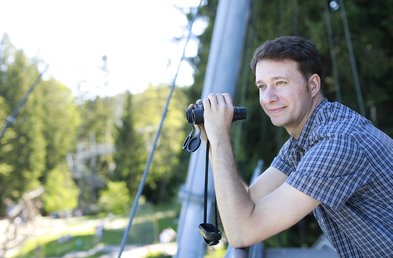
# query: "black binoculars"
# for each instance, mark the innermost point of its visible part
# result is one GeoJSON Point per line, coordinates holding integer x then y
{"type": "Point", "coordinates": [194, 114]}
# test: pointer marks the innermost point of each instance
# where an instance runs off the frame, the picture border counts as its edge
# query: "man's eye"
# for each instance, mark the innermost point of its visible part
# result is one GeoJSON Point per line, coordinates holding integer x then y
{"type": "Point", "coordinates": [261, 87]}
{"type": "Point", "coordinates": [280, 83]}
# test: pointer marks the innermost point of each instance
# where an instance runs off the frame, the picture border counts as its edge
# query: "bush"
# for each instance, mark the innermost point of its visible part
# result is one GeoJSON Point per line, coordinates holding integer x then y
{"type": "Point", "coordinates": [61, 193]}
{"type": "Point", "coordinates": [115, 199]}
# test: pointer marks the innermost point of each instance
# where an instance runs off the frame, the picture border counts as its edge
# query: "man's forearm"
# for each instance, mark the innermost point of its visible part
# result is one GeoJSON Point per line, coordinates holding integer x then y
{"type": "Point", "coordinates": [234, 202]}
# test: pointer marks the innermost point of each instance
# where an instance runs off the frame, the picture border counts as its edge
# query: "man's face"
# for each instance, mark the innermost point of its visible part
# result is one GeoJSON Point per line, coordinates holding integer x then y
{"type": "Point", "coordinates": [284, 94]}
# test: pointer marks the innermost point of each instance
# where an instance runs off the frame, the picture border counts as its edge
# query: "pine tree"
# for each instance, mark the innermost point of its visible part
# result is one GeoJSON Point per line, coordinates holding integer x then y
{"type": "Point", "coordinates": [129, 155]}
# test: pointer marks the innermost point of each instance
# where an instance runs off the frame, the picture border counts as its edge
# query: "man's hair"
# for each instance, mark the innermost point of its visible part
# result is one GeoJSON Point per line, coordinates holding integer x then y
{"type": "Point", "coordinates": [293, 48]}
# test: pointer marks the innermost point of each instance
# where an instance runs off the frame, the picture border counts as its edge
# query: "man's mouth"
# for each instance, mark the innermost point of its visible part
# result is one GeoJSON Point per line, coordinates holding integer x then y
{"type": "Point", "coordinates": [274, 111]}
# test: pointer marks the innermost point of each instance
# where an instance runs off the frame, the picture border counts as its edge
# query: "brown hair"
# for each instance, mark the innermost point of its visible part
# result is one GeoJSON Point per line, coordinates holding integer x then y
{"type": "Point", "coordinates": [293, 48]}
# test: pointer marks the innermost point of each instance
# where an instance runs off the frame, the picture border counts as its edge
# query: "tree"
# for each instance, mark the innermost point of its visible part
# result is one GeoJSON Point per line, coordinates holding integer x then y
{"type": "Point", "coordinates": [61, 193]}
{"type": "Point", "coordinates": [23, 147]}
{"type": "Point", "coordinates": [168, 168]}
{"type": "Point", "coordinates": [130, 153]}
{"type": "Point", "coordinates": [61, 119]}
{"type": "Point", "coordinates": [98, 118]}
{"type": "Point", "coordinates": [44, 130]}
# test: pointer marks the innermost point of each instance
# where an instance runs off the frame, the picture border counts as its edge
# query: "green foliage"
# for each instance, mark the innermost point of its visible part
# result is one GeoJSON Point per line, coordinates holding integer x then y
{"type": "Point", "coordinates": [130, 155]}
{"type": "Point", "coordinates": [98, 119]}
{"type": "Point", "coordinates": [168, 169]}
{"type": "Point", "coordinates": [5, 166]}
{"type": "Point", "coordinates": [61, 193]}
{"type": "Point", "coordinates": [60, 119]}
{"type": "Point", "coordinates": [115, 199]}
{"type": "Point", "coordinates": [133, 134]}
{"type": "Point", "coordinates": [43, 131]}
{"type": "Point", "coordinates": [22, 149]}
{"type": "Point", "coordinates": [50, 126]}
{"type": "Point", "coordinates": [199, 63]}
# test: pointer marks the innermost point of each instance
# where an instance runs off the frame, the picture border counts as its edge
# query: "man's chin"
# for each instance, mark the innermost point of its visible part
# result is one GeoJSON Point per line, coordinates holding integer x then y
{"type": "Point", "coordinates": [276, 122]}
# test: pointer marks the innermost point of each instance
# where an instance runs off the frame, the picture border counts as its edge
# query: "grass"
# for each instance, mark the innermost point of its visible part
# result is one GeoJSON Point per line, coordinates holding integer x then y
{"type": "Point", "coordinates": [147, 225]}
{"type": "Point", "coordinates": [214, 253]}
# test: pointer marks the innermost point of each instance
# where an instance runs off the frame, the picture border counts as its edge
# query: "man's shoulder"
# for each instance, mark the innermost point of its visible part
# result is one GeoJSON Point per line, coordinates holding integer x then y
{"type": "Point", "coordinates": [336, 119]}
{"type": "Point", "coordinates": [338, 126]}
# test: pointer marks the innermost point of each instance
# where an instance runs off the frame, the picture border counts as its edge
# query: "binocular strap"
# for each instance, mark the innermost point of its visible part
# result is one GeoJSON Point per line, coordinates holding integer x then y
{"type": "Point", "coordinates": [210, 232]}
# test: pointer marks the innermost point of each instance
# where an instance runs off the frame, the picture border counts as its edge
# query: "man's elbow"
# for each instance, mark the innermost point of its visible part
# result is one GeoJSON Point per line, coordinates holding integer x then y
{"type": "Point", "coordinates": [244, 234]}
{"type": "Point", "coordinates": [238, 244]}
{"type": "Point", "coordinates": [242, 240]}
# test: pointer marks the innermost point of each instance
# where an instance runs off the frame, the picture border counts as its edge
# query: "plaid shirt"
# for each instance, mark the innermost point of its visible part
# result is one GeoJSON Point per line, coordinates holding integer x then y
{"type": "Point", "coordinates": [344, 162]}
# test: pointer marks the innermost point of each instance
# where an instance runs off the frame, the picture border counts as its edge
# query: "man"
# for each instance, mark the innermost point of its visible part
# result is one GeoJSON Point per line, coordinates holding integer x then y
{"type": "Point", "coordinates": [336, 163]}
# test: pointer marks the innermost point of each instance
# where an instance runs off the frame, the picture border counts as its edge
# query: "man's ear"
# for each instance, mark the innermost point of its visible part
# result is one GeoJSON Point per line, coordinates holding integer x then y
{"type": "Point", "coordinates": [314, 84]}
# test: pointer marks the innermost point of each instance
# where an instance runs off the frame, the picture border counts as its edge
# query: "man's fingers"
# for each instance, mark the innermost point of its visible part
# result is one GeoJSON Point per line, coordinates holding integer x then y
{"type": "Point", "coordinates": [215, 100]}
{"type": "Point", "coordinates": [221, 99]}
{"type": "Point", "coordinates": [206, 103]}
{"type": "Point", "coordinates": [228, 99]}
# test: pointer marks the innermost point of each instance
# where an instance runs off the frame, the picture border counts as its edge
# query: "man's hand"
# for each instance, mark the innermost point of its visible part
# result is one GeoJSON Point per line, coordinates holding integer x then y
{"type": "Point", "coordinates": [218, 115]}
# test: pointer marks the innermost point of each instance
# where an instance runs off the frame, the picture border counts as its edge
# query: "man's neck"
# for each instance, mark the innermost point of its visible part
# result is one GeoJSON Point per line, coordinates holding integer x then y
{"type": "Point", "coordinates": [295, 132]}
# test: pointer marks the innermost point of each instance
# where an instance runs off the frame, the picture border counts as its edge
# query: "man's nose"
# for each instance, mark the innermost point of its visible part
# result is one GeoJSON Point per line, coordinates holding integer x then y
{"type": "Point", "coordinates": [268, 96]}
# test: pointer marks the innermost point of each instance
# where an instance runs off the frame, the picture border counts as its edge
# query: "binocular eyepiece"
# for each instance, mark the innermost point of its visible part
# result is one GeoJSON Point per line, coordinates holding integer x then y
{"type": "Point", "coordinates": [194, 114]}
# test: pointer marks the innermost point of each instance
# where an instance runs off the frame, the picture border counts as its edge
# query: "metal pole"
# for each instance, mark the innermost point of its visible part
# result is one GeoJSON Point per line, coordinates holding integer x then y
{"type": "Point", "coordinates": [221, 76]}
{"type": "Point", "coordinates": [332, 50]}
{"type": "Point", "coordinates": [352, 60]}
